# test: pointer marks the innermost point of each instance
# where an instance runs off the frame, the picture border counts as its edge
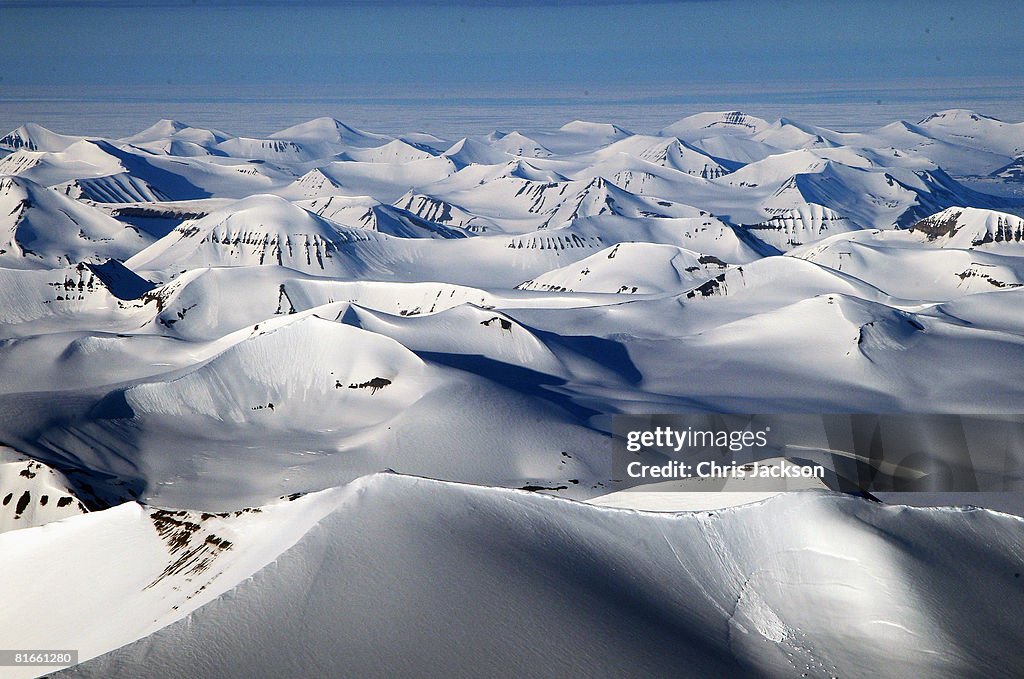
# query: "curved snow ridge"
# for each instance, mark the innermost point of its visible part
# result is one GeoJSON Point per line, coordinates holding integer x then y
{"type": "Point", "coordinates": [775, 169]}
{"type": "Point", "coordinates": [518, 144]}
{"type": "Point", "coordinates": [289, 373]}
{"type": "Point", "coordinates": [167, 130]}
{"type": "Point", "coordinates": [21, 161]}
{"type": "Point", "coordinates": [865, 348]}
{"type": "Point", "coordinates": [467, 152]}
{"type": "Point", "coordinates": [466, 331]}
{"type": "Point", "coordinates": [334, 208]}
{"type": "Point", "coordinates": [672, 153]}
{"type": "Point", "coordinates": [401, 299]}
{"type": "Point", "coordinates": [598, 132]}
{"type": "Point", "coordinates": [643, 177]}
{"type": "Point", "coordinates": [140, 568]}
{"type": "Point", "coordinates": [83, 159]}
{"type": "Point", "coordinates": [33, 137]}
{"type": "Point", "coordinates": [84, 361]}
{"type": "Point", "coordinates": [182, 307]}
{"type": "Point", "coordinates": [833, 324]}
{"type": "Point", "coordinates": [411, 216]}
{"type": "Point", "coordinates": [602, 197]}
{"type": "Point", "coordinates": [988, 310]}
{"type": "Point", "coordinates": [278, 150]}
{"type": "Point", "coordinates": [312, 185]}
{"type": "Point", "coordinates": [114, 188]}
{"type": "Point", "coordinates": [630, 268]}
{"type": "Point", "coordinates": [785, 277]}
{"type": "Point", "coordinates": [400, 223]}
{"type": "Point", "coordinates": [515, 583]}
{"type": "Point", "coordinates": [42, 228]}
{"type": "Point", "coordinates": [705, 234]}
{"type": "Point", "coordinates": [394, 152]}
{"type": "Point", "coordinates": [901, 264]}
{"type": "Point", "coordinates": [331, 130]}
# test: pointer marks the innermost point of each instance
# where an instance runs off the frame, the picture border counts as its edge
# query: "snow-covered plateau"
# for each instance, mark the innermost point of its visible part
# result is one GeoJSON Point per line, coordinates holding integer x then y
{"type": "Point", "coordinates": [337, 403]}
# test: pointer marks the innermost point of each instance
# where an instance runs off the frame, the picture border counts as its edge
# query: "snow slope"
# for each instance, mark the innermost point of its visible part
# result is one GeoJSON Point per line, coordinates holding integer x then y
{"type": "Point", "coordinates": [415, 577]}
{"type": "Point", "coordinates": [141, 568]}
{"type": "Point", "coordinates": [194, 322]}
{"type": "Point", "coordinates": [40, 228]}
{"type": "Point", "coordinates": [34, 494]}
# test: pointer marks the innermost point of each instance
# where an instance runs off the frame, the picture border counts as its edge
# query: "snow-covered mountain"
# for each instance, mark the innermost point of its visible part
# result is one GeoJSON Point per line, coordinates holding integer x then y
{"type": "Point", "coordinates": [716, 124]}
{"type": "Point", "coordinates": [695, 594]}
{"type": "Point", "coordinates": [331, 131]}
{"type": "Point", "coordinates": [518, 144]}
{"type": "Point", "coordinates": [631, 268]}
{"type": "Point", "coordinates": [34, 493]}
{"type": "Point", "coordinates": [32, 137]}
{"type": "Point", "coordinates": [976, 131]}
{"type": "Point", "coordinates": [174, 130]}
{"type": "Point", "coordinates": [972, 227]}
{"type": "Point", "coordinates": [211, 345]}
{"type": "Point", "coordinates": [1013, 171]}
{"type": "Point", "coordinates": [41, 228]}
{"type": "Point", "coordinates": [255, 230]}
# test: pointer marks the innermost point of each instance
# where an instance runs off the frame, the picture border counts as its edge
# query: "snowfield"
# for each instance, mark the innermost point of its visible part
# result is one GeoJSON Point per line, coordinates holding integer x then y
{"type": "Point", "coordinates": [212, 346]}
{"type": "Point", "coordinates": [410, 577]}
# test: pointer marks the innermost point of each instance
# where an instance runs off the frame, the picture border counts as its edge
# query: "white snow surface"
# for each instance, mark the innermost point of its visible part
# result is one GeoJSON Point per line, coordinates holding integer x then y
{"type": "Point", "coordinates": [411, 577]}
{"type": "Point", "coordinates": [204, 322]}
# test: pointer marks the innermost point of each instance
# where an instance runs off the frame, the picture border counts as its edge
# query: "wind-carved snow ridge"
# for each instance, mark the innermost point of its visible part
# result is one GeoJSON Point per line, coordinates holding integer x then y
{"type": "Point", "coordinates": [810, 583]}
{"type": "Point", "coordinates": [193, 322]}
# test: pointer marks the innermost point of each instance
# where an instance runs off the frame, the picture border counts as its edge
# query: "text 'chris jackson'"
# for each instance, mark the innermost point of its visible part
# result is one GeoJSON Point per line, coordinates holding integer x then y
{"type": "Point", "coordinates": [713, 470]}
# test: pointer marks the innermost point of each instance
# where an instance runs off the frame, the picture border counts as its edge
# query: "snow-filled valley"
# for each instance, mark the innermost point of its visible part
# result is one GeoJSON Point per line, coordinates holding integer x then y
{"type": "Point", "coordinates": [339, 403]}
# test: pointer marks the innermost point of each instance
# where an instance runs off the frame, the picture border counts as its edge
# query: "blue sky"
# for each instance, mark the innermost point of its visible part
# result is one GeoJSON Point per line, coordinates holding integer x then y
{"type": "Point", "coordinates": [497, 43]}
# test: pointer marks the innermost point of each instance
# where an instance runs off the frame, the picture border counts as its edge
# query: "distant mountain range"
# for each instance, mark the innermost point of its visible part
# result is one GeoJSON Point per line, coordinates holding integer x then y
{"type": "Point", "coordinates": [212, 346]}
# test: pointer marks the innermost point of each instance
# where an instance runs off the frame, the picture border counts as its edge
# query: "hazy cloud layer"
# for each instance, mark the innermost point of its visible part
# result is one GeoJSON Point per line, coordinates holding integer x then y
{"type": "Point", "coordinates": [528, 42]}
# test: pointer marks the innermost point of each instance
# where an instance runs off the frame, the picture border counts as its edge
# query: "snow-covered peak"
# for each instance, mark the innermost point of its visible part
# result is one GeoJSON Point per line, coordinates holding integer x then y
{"type": "Point", "coordinates": [41, 228]}
{"type": "Point", "coordinates": [715, 123]}
{"type": "Point", "coordinates": [968, 227]}
{"type": "Point", "coordinates": [976, 131]}
{"type": "Point", "coordinates": [467, 151]}
{"type": "Point", "coordinates": [332, 131]}
{"type": "Point", "coordinates": [954, 116]}
{"type": "Point", "coordinates": [523, 169]}
{"type": "Point", "coordinates": [518, 144]}
{"type": "Point", "coordinates": [33, 137]}
{"type": "Point", "coordinates": [395, 151]}
{"type": "Point", "coordinates": [790, 585]}
{"type": "Point", "coordinates": [604, 131]}
{"type": "Point", "coordinates": [166, 130]}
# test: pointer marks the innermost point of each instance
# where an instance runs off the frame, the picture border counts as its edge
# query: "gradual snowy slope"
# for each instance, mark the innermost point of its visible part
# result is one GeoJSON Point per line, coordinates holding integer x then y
{"type": "Point", "coordinates": [40, 228]}
{"type": "Point", "coordinates": [140, 568]}
{"type": "Point", "coordinates": [507, 583]}
{"type": "Point", "coordinates": [631, 268]}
